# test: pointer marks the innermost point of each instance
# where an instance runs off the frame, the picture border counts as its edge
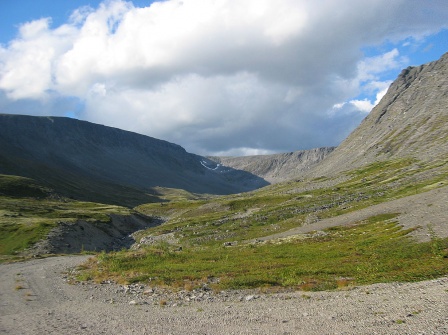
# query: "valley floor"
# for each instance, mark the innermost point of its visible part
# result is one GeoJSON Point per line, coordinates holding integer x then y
{"type": "Point", "coordinates": [36, 298]}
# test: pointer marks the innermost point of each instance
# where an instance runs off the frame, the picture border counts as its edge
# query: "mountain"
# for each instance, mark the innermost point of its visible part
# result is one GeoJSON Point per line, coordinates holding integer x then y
{"type": "Point", "coordinates": [278, 167]}
{"type": "Point", "coordinates": [92, 162]}
{"type": "Point", "coordinates": [411, 120]}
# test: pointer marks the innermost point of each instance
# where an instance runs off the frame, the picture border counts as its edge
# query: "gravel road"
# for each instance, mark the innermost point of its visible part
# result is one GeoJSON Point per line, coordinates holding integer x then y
{"type": "Point", "coordinates": [36, 298]}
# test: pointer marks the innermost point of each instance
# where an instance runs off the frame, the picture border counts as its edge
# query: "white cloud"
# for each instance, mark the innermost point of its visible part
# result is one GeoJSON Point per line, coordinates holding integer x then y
{"type": "Point", "coordinates": [253, 76]}
{"type": "Point", "coordinates": [362, 105]}
{"type": "Point", "coordinates": [26, 66]}
{"type": "Point", "coordinates": [370, 67]}
{"type": "Point", "coordinates": [243, 152]}
{"type": "Point", "coordinates": [380, 94]}
{"type": "Point", "coordinates": [370, 70]}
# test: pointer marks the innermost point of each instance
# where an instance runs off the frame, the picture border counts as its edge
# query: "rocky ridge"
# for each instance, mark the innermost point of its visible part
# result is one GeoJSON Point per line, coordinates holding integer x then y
{"type": "Point", "coordinates": [87, 161]}
{"type": "Point", "coordinates": [277, 167]}
{"type": "Point", "coordinates": [411, 120]}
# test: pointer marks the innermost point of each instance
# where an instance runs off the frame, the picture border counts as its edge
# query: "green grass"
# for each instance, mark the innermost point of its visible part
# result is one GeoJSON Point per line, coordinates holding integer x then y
{"type": "Point", "coordinates": [16, 186]}
{"type": "Point", "coordinates": [284, 206]}
{"type": "Point", "coordinates": [377, 251]}
{"type": "Point", "coordinates": [28, 211]}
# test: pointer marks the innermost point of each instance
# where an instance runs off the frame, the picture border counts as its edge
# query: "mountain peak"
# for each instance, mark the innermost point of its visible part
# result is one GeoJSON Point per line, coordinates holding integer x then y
{"type": "Point", "coordinates": [411, 120]}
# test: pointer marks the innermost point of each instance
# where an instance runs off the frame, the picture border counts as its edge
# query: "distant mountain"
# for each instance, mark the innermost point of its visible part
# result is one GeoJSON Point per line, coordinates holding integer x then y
{"type": "Point", "coordinates": [277, 167]}
{"type": "Point", "coordinates": [92, 162]}
{"type": "Point", "coordinates": [411, 120]}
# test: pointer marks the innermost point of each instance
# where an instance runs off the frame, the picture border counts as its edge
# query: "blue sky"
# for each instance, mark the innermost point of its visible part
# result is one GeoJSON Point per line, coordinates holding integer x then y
{"type": "Point", "coordinates": [13, 13]}
{"type": "Point", "coordinates": [217, 77]}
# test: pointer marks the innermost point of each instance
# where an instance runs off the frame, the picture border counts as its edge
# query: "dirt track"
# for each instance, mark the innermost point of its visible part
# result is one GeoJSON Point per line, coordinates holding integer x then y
{"type": "Point", "coordinates": [36, 299]}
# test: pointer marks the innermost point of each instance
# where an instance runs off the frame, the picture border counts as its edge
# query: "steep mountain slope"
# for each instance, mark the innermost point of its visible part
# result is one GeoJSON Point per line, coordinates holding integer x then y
{"type": "Point", "coordinates": [410, 121]}
{"type": "Point", "coordinates": [278, 167]}
{"type": "Point", "coordinates": [98, 163]}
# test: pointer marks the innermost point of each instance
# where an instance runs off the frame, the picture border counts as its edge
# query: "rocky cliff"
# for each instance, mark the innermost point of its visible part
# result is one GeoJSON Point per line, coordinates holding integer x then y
{"type": "Point", "coordinates": [410, 121]}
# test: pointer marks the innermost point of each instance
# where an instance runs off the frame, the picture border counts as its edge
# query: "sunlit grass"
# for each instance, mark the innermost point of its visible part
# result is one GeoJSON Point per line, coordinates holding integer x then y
{"type": "Point", "coordinates": [281, 207]}
{"type": "Point", "coordinates": [378, 251]}
{"type": "Point", "coordinates": [375, 251]}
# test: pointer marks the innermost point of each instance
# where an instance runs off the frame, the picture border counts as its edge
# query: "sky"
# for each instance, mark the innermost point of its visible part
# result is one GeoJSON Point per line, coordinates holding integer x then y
{"type": "Point", "coordinates": [218, 77]}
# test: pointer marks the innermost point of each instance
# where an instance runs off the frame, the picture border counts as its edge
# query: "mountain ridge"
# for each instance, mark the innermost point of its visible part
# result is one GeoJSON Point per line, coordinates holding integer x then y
{"type": "Point", "coordinates": [411, 120]}
{"type": "Point", "coordinates": [89, 159]}
{"type": "Point", "coordinates": [277, 168]}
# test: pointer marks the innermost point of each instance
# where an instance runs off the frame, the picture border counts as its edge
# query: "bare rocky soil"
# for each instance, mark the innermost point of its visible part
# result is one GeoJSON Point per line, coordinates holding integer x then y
{"type": "Point", "coordinates": [36, 298]}
{"type": "Point", "coordinates": [75, 237]}
{"type": "Point", "coordinates": [425, 211]}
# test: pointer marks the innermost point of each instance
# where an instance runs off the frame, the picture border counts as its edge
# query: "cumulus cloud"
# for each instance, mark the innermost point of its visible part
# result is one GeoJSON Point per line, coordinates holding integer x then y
{"type": "Point", "coordinates": [218, 76]}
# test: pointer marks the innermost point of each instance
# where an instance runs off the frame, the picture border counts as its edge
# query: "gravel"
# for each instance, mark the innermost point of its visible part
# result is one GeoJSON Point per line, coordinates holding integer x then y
{"type": "Point", "coordinates": [37, 297]}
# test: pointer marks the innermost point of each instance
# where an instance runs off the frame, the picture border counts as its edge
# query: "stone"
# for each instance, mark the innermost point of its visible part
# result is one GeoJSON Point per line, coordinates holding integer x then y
{"type": "Point", "coordinates": [148, 291]}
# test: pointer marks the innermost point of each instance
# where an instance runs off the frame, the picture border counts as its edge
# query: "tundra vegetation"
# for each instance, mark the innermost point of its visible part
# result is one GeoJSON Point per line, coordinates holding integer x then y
{"type": "Point", "coordinates": [216, 239]}
{"type": "Point", "coordinates": [213, 240]}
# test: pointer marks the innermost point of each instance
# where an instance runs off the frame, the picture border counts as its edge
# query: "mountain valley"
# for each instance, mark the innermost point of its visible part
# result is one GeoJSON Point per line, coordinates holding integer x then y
{"type": "Point", "coordinates": [238, 219]}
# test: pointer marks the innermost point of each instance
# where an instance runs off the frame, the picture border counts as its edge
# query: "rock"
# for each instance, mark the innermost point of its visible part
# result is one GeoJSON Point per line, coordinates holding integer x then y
{"type": "Point", "coordinates": [277, 167]}
{"type": "Point", "coordinates": [249, 297]}
{"type": "Point", "coordinates": [148, 291]}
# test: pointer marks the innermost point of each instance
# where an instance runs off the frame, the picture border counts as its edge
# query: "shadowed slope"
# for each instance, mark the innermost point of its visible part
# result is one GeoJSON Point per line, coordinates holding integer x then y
{"type": "Point", "coordinates": [98, 163]}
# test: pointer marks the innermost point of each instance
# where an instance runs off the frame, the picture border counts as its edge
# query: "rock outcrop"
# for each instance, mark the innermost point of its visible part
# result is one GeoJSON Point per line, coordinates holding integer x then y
{"type": "Point", "coordinates": [411, 120]}
{"type": "Point", "coordinates": [75, 237]}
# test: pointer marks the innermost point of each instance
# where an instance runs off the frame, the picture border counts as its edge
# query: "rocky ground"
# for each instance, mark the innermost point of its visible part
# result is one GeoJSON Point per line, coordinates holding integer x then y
{"type": "Point", "coordinates": [38, 297]}
{"type": "Point", "coordinates": [75, 237]}
{"type": "Point", "coordinates": [425, 211]}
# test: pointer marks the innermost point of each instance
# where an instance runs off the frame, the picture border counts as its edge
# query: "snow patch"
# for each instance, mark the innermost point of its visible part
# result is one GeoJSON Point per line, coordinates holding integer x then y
{"type": "Point", "coordinates": [204, 164]}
